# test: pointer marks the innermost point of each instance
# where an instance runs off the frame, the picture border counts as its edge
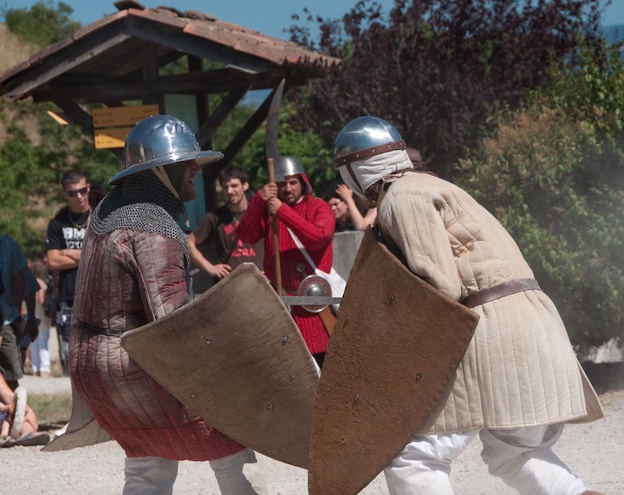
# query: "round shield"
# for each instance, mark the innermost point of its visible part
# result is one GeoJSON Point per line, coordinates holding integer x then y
{"type": "Point", "coordinates": [314, 286]}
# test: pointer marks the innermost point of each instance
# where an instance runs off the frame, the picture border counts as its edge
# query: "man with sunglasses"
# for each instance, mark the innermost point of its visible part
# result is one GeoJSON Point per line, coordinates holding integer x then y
{"type": "Point", "coordinates": [66, 232]}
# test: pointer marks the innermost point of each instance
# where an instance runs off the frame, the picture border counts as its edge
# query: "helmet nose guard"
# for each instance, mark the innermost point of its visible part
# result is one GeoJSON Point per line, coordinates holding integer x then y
{"type": "Point", "coordinates": [161, 140]}
{"type": "Point", "coordinates": [287, 165]}
{"type": "Point", "coordinates": [364, 137]}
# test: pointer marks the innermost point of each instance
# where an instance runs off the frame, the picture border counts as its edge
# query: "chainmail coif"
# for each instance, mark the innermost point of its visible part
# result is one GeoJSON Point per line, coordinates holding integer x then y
{"type": "Point", "coordinates": [144, 204]}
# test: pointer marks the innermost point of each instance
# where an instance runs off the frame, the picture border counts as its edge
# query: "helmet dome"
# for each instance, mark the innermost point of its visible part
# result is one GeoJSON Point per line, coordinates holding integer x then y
{"type": "Point", "coordinates": [287, 165]}
{"type": "Point", "coordinates": [364, 137]}
{"type": "Point", "coordinates": [161, 140]}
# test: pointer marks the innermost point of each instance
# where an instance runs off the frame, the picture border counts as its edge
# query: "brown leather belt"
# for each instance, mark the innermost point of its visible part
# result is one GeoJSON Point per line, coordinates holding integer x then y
{"type": "Point", "coordinates": [98, 330]}
{"type": "Point", "coordinates": [498, 291]}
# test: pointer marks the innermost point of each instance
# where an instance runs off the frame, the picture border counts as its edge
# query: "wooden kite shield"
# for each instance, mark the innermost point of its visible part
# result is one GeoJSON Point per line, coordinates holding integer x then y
{"type": "Point", "coordinates": [389, 367]}
{"type": "Point", "coordinates": [235, 356]}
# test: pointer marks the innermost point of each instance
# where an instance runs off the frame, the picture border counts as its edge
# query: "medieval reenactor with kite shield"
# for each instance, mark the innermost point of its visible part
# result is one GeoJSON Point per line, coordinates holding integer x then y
{"type": "Point", "coordinates": [405, 385]}
{"type": "Point", "coordinates": [133, 272]}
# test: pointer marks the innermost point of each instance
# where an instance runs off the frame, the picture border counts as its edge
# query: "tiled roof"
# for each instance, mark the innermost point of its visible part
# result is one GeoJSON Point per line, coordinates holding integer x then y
{"type": "Point", "coordinates": [113, 50]}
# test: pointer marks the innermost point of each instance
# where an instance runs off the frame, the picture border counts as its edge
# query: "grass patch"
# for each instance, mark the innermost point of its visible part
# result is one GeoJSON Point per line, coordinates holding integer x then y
{"type": "Point", "coordinates": [52, 410]}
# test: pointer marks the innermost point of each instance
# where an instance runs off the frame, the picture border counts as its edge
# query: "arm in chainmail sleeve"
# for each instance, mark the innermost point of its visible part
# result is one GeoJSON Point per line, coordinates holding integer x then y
{"type": "Point", "coordinates": [415, 223]}
{"type": "Point", "coordinates": [317, 230]}
{"type": "Point", "coordinates": [251, 228]}
{"type": "Point", "coordinates": [160, 273]}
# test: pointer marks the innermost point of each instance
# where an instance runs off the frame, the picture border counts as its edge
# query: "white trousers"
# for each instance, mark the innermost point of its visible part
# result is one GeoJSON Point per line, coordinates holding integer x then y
{"type": "Point", "coordinates": [39, 353]}
{"type": "Point", "coordinates": [237, 474]}
{"type": "Point", "coordinates": [522, 458]}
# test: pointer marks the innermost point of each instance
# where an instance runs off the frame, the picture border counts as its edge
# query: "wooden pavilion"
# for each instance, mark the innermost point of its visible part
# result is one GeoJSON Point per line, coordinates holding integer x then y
{"type": "Point", "coordinates": [118, 61]}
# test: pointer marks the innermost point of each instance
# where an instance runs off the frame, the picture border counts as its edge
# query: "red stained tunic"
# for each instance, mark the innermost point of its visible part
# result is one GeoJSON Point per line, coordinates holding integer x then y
{"type": "Point", "coordinates": [313, 222]}
{"type": "Point", "coordinates": [125, 280]}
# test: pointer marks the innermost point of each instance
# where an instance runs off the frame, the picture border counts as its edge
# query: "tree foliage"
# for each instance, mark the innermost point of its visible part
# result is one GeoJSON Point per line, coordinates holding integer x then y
{"type": "Point", "coordinates": [554, 175]}
{"type": "Point", "coordinates": [436, 68]}
{"type": "Point", "coordinates": [42, 24]}
{"type": "Point", "coordinates": [305, 145]}
{"type": "Point", "coordinates": [36, 151]}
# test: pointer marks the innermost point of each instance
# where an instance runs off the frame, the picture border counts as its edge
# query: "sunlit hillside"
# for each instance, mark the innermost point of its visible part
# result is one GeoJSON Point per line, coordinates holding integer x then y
{"type": "Point", "coordinates": [15, 50]}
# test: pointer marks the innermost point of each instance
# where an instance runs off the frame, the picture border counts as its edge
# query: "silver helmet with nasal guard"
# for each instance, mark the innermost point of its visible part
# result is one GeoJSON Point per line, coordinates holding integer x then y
{"type": "Point", "coordinates": [364, 137]}
{"type": "Point", "coordinates": [367, 150]}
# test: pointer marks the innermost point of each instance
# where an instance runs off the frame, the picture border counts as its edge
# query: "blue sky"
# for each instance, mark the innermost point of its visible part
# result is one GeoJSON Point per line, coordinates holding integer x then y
{"type": "Point", "coordinates": [270, 17]}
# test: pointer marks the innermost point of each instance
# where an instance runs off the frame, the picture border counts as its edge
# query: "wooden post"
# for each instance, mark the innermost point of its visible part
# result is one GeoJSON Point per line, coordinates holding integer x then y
{"type": "Point", "coordinates": [276, 254]}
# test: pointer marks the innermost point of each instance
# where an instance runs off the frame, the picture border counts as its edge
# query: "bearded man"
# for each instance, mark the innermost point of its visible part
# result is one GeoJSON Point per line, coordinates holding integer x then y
{"type": "Point", "coordinates": [290, 201]}
{"type": "Point", "coordinates": [132, 271]}
{"type": "Point", "coordinates": [519, 381]}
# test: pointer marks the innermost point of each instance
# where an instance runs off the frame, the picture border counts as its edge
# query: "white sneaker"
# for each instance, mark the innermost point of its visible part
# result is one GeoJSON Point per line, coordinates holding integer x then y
{"type": "Point", "coordinates": [58, 433]}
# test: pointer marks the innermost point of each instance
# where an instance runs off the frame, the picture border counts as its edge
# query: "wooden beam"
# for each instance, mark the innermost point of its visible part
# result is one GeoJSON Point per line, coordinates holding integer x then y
{"type": "Point", "coordinates": [174, 38]}
{"type": "Point", "coordinates": [208, 82]}
{"type": "Point", "coordinates": [227, 104]}
{"type": "Point", "coordinates": [204, 137]}
{"type": "Point", "coordinates": [84, 120]}
{"type": "Point", "coordinates": [243, 135]}
{"type": "Point", "coordinates": [77, 114]}
{"type": "Point", "coordinates": [150, 74]}
{"type": "Point", "coordinates": [76, 55]}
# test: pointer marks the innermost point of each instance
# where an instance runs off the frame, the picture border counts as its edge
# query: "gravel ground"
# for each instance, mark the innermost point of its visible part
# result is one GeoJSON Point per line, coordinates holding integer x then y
{"type": "Point", "coordinates": [594, 451]}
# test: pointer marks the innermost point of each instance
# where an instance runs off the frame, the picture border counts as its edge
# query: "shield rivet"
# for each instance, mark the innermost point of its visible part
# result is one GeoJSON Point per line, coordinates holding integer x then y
{"type": "Point", "coordinates": [193, 396]}
{"type": "Point", "coordinates": [284, 340]}
{"type": "Point", "coordinates": [418, 376]}
{"type": "Point", "coordinates": [270, 407]}
{"type": "Point", "coordinates": [208, 341]}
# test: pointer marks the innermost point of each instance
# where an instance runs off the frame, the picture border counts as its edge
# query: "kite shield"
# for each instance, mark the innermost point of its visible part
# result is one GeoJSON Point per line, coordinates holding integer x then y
{"type": "Point", "coordinates": [235, 357]}
{"type": "Point", "coordinates": [390, 365]}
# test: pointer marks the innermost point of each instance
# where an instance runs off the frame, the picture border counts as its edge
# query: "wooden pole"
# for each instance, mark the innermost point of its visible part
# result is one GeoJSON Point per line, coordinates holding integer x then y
{"type": "Point", "coordinates": [276, 253]}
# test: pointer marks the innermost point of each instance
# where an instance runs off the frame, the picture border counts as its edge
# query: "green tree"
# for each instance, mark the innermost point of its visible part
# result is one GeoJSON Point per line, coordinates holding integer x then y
{"type": "Point", "coordinates": [35, 153]}
{"type": "Point", "coordinates": [308, 147]}
{"type": "Point", "coordinates": [554, 176]}
{"type": "Point", "coordinates": [434, 68]}
{"type": "Point", "coordinates": [42, 24]}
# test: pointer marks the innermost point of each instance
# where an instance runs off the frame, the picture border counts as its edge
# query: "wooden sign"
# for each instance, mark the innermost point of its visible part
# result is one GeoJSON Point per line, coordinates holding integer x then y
{"type": "Point", "coordinates": [122, 116]}
{"type": "Point", "coordinates": [112, 137]}
{"type": "Point", "coordinates": [112, 124]}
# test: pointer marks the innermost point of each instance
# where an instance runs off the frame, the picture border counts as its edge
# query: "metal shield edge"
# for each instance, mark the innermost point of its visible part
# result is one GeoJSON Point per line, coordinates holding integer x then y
{"type": "Point", "coordinates": [235, 357]}
{"type": "Point", "coordinates": [389, 367]}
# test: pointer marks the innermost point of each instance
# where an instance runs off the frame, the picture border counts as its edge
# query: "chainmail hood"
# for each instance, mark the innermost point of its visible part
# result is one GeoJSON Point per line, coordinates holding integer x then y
{"type": "Point", "coordinates": [141, 203]}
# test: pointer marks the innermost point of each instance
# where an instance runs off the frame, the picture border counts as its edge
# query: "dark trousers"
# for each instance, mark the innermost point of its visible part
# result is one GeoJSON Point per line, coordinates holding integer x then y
{"type": "Point", "coordinates": [64, 324]}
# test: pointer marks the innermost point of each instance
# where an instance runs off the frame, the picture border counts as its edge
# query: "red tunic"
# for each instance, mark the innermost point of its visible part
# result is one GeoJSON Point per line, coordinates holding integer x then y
{"type": "Point", "coordinates": [125, 280]}
{"type": "Point", "coordinates": [313, 222]}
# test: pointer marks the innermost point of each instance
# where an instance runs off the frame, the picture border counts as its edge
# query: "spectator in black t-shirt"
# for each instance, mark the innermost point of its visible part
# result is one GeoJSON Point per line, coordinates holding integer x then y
{"type": "Point", "coordinates": [66, 232]}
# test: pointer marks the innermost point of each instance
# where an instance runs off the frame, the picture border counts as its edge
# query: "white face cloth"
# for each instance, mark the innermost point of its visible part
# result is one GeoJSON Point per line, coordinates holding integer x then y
{"type": "Point", "coordinates": [367, 172]}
